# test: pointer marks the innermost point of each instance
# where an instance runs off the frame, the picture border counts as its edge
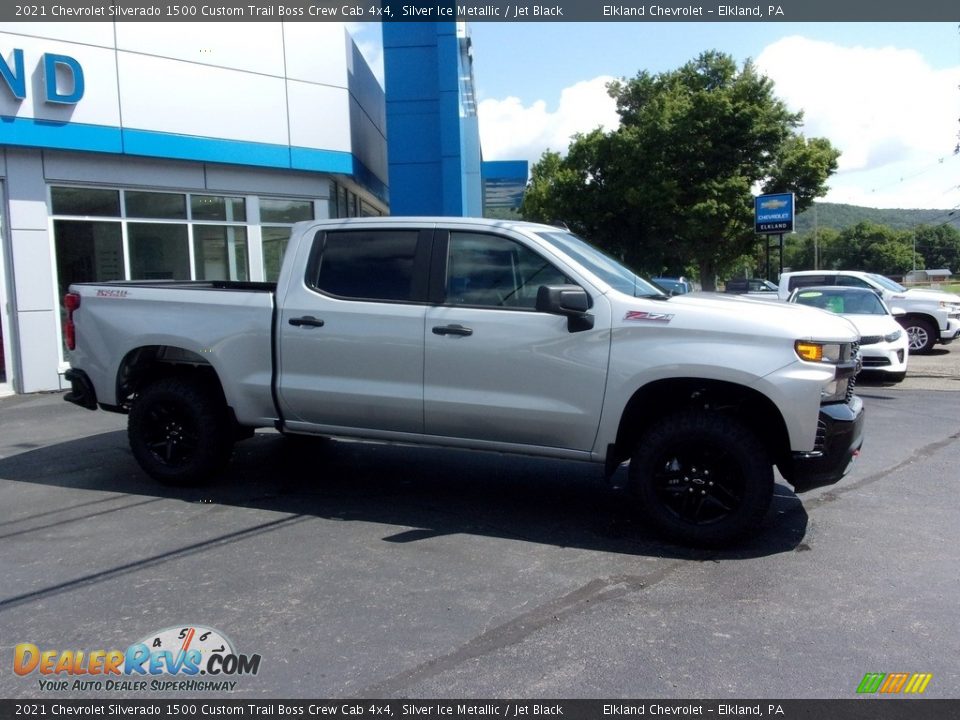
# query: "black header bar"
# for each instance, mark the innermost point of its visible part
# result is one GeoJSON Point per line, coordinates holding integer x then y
{"type": "Point", "coordinates": [481, 11]}
{"type": "Point", "coordinates": [196, 708]}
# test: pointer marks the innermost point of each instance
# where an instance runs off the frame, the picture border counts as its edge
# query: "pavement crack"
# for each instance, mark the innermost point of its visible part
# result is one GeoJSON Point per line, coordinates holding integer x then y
{"type": "Point", "coordinates": [137, 565]}
{"type": "Point", "coordinates": [523, 626]}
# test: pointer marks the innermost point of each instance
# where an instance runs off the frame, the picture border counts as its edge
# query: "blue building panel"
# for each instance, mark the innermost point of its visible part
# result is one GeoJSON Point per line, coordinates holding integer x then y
{"type": "Point", "coordinates": [423, 67]}
{"type": "Point", "coordinates": [504, 183]}
{"type": "Point", "coordinates": [419, 131]}
{"type": "Point", "coordinates": [408, 77]}
{"type": "Point", "coordinates": [30, 132]}
{"type": "Point", "coordinates": [419, 185]}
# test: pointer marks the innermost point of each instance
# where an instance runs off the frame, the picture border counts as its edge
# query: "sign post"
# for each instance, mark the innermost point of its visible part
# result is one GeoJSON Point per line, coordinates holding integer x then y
{"type": "Point", "coordinates": [773, 215]}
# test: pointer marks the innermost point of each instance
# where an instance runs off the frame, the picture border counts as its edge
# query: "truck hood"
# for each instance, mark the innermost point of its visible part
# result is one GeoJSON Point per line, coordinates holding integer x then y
{"type": "Point", "coordinates": [928, 295]}
{"type": "Point", "coordinates": [740, 315]}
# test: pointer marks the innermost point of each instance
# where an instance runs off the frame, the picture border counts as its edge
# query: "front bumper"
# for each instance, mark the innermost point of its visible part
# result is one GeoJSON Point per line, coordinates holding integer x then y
{"type": "Point", "coordinates": [886, 357]}
{"type": "Point", "coordinates": [951, 333]}
{"type": "Point", "coordinates": [839, 437]}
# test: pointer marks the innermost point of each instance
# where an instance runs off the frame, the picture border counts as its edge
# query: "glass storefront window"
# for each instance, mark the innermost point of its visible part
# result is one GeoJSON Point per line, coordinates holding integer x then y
{"type": "Point", "coordinates": [87, 252]}
{"type": "Point", "coordinates": [220, 252]}
{"type": "Point", "coordinates": [285, 211]}
{"type": "Point", "coordinates": [165, 206]}
{"type": "Point", "coordinates": [215, 207]}
{"type": "Point", "coordinates": [275, 241]}
{"type": "Point", "coordinates": [158, 251]}
{"type": "Point", "coordinates": [85, 202]}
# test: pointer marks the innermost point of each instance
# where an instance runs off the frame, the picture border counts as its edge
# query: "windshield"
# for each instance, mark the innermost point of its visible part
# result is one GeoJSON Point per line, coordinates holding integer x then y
{"type": "Point", "coordinates": [843, 303]}
{"type": "Point", "coordinates": [887, 283]}
{"type": "Point", "coordinates": [601, 265]}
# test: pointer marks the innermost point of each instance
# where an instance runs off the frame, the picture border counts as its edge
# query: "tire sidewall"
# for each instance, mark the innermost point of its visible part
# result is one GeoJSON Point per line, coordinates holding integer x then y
{"type": "Point", "coordinates": [928, 329]}
{"type": "Point", "coordinates": [707, 432]}
{"type": "Point", "coordinates": [203, 410]}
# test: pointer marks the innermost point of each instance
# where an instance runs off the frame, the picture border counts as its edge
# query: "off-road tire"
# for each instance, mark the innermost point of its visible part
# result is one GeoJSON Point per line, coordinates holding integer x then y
{"type": "Point", "coordinates": [701, 478]}
{"type": "Point", "coordinates": [180, 431]}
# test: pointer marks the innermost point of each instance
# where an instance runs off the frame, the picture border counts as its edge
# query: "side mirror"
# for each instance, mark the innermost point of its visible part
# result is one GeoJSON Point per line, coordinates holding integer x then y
{"type": "Point", "coordinates": [897, 312]}
{"type": "Point", "coordinates": [571, 301]}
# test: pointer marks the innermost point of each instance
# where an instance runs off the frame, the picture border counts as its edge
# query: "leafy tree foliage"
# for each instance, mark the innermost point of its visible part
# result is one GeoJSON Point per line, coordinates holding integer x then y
{"type": "Point", "coordinates": [939, 246]}
{"type": "Point", "coordinates": [875, 248]}
{"type": "Point", "coordinates": [673, 185]}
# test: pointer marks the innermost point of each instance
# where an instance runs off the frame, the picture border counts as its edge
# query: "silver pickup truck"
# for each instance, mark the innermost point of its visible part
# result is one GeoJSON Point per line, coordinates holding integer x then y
{"type": "Point", "coordinates": [486, 335]}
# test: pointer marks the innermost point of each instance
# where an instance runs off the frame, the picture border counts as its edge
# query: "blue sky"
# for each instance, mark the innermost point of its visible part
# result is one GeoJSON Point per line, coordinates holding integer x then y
{"type": "Point", "coordinates": [886, 94]}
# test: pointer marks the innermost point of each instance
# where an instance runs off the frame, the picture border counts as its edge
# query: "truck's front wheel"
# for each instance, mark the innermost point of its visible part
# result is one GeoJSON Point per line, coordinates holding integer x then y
{"type": "Point", "coordinates": [179, 431]}
{"type": "Point", "coordinates": [702, 478]}
{"type": "Point", "coordinates": [921, 333]}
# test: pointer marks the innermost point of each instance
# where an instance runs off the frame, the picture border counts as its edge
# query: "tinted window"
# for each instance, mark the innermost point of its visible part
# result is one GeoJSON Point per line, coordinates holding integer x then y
{"type": "Point", "coordinates": [372, 265]}
{"type": "Point", "coordinates": [811, 280]}
{"type": "Point", "coordinates": [85, 201]}
{"type": "Point", "coordinates": [851, 281]}
{"type": "Point", "coordinates": [492, 271]}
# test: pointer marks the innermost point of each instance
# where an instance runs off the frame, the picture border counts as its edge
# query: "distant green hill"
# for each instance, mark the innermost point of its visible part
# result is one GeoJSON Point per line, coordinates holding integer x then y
{"type": "Point", "coordinates": [839, 216]}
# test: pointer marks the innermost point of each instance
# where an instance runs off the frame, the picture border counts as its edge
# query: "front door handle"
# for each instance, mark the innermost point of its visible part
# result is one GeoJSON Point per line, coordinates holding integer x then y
{"type": "Point", "coordinates": [306, 321]}
{"type": "Point", "coordinates": [452, 330]}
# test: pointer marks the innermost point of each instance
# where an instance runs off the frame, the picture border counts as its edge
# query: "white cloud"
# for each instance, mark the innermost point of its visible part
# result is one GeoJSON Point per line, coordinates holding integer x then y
{"type": "Point", "coordinates": [510, 130]}
{"type": "Point", "coordinates": [369, 41]}
{"type": "Point", "coordinates": [893, 117]}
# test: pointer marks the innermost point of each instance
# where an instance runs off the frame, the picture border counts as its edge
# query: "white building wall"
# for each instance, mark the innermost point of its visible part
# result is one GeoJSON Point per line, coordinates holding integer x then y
{"type": "Point", "coordinates": [28, 173]}
{"type": "Point", "coordinates": [31, 259]}
{"type": "Point", "coordinates": [254, 109]}
{"type": "Point", "coordinates": [158, 86]}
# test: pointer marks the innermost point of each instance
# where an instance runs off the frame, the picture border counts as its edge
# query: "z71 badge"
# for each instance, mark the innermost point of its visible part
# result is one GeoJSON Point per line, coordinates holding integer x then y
{"type": "Point", "coordinates": [643, 315]}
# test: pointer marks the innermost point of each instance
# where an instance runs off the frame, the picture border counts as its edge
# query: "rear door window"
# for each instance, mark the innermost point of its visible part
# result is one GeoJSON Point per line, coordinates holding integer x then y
{"type": "Point", "coordinates": [811, 281]}
{"type": "Point", "coordinates": [366, 265]}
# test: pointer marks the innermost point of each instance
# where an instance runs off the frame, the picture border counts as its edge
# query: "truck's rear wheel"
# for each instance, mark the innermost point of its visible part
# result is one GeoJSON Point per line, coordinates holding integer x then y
{"type": "Point", "coordinates": [179, 431]}
{"type": "Point", "coordinates": [702, 478]}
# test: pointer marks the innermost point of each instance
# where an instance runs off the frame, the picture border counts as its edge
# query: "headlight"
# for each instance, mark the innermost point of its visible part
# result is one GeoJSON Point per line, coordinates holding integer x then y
{"type": "Point", "coordinates": [895, 335]}
{"type": "Point", "coordinates": [820, 352]}
{"type": "Point", "coordinates": [949, 305]}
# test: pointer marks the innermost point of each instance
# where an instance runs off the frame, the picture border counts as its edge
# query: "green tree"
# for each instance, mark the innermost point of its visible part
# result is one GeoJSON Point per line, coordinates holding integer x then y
{"type": "Point", "coordinates": [939, 245]}
{"type": "Point", "coordinates": [876, 248]}
{"type": "Point", "coordinates": [673, 185]}
{"type": "Point", "coordinates": [799, 250]}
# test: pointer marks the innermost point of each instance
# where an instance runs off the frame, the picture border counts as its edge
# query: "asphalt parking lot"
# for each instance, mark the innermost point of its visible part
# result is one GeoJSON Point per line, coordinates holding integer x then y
{"type": "Point", "coordinates": [376, 571]}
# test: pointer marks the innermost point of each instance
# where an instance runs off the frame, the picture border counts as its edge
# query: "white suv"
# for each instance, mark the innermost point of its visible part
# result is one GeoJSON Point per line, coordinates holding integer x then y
{"type": "Point", "coordinates": [928, 316]}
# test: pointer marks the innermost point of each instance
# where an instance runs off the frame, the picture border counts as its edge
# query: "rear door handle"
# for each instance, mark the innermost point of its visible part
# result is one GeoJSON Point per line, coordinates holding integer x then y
{"type": "Point", "coordinates": [452, 330]}
{"type": "Point", "coordinates": [306, 321]}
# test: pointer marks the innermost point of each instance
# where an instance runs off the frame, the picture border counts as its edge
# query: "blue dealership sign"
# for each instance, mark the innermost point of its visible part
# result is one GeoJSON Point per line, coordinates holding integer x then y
{"type": "Point", "coordinates": [773, 214]}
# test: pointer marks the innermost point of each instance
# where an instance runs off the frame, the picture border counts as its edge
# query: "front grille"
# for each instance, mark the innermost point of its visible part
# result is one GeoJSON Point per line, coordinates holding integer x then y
{"type": "Point", "coordinates": [870, 339]}
{"type": "Point", "coordinates": [850, 385]}
{"type": "Point", "coordinates": [872, 362]}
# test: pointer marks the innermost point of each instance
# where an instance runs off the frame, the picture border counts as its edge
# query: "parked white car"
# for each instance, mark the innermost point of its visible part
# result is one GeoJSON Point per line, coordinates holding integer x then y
{"type": "Point", "coordinates": [929, 316]}
{"type": "Point", "coordinates": [884, 345]}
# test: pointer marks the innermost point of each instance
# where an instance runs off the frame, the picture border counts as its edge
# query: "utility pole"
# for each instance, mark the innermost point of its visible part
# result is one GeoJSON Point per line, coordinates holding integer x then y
{"type": "Point", "coordinates": [816, 245]}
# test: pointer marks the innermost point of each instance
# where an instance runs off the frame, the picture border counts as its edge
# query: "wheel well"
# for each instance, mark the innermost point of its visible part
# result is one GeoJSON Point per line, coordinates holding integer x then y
{"type": "Point", "coordinates": [919, 316]}
{"type": "Point", "coordinates": [147, 364]}
{"type": "Point", "coordinates": [666, 397]}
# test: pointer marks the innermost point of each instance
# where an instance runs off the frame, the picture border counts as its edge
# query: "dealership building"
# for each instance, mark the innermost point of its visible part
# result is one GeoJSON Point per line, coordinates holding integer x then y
{"type": "Point", "coordinates": [187, 151]}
